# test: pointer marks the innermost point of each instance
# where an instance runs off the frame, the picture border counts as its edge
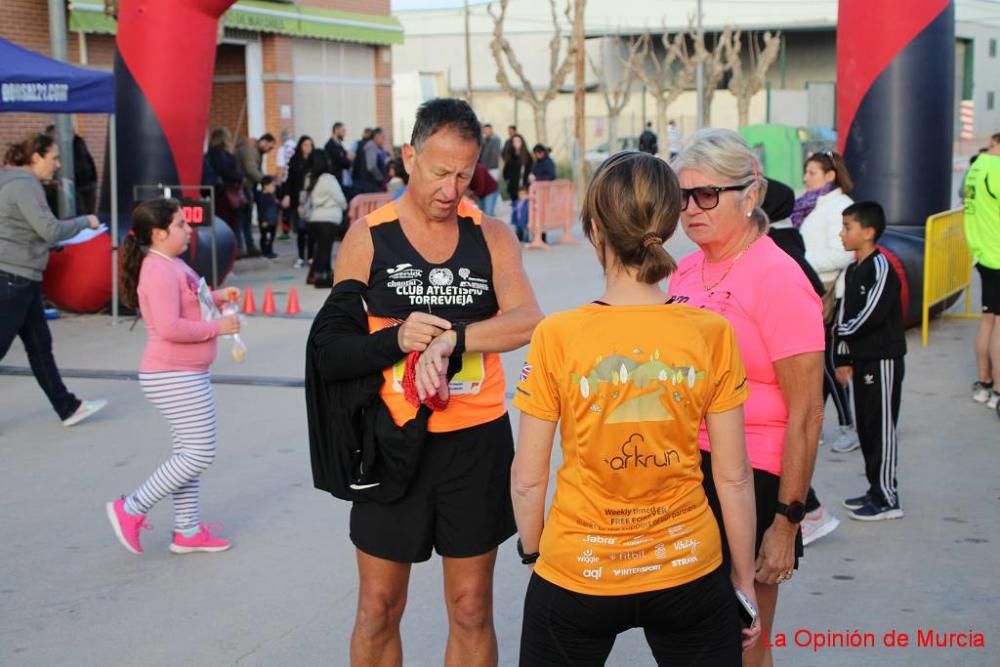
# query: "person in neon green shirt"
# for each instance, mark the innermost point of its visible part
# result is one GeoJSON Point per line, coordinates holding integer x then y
{"type": "Point", "coordinates": [982, 231]}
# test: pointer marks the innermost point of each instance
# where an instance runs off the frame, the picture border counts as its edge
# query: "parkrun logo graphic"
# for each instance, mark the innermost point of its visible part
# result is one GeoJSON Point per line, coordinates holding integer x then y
{"type": "Point", "coordinates": [632, 457]}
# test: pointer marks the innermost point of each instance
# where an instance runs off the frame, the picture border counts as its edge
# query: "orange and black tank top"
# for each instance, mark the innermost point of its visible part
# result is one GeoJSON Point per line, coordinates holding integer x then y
{"type": "Point", "coordinates": [460, 289]}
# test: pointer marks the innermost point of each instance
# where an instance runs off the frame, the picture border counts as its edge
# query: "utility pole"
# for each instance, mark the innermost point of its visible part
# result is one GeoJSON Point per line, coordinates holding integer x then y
{"type": "Point", "coordinates": [64, 124]}
{"type": "Point", "coordinates": [579, 96]}
{"type": "Point", "coordinates": [699, 79]}
{"type": "Point", "coordinates": [468, 58]}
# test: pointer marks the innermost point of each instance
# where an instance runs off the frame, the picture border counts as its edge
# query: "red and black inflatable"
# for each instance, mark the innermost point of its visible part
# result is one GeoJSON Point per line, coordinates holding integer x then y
{"type": "Point", "coordinates": [895, 119]}
{"type": "Point", "coordinates": [164, 65]}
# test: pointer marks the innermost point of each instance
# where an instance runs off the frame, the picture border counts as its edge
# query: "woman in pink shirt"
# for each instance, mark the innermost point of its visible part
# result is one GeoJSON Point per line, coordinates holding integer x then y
{"type": "Point", "coordinates": [173, 373]}
{"type": "Point", "coordinates": [777, 317]}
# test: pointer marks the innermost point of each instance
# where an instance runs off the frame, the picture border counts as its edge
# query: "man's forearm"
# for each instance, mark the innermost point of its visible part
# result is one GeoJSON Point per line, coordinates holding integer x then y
{"type": "Point", "coordinates": [503, 333]}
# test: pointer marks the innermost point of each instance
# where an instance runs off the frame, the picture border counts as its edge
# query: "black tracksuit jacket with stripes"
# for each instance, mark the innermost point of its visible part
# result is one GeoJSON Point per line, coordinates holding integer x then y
{"type": "Point", "coordinates": [870, 319]}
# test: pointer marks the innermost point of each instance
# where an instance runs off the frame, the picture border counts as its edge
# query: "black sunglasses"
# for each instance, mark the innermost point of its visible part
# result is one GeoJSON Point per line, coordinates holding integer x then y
{"type": "Point", "coordinates": [707, 196]}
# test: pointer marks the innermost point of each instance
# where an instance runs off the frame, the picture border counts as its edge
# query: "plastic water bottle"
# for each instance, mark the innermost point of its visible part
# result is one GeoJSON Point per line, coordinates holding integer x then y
{"type": "Point", "coordinates": [239, 348]}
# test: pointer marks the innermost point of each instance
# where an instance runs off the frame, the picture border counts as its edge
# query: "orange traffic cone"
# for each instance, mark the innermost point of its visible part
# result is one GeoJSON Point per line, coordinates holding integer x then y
{"type": "Point", "coordinates": [268, 307]}
{"type": "Point", "coordinates": [293, 307]}
{"type": "Point", "coordinates": [249, 307]}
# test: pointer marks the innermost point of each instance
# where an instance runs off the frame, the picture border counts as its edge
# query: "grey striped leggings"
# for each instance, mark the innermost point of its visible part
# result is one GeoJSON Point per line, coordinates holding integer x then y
{"type": "Point", "coordinates": [185, 399]}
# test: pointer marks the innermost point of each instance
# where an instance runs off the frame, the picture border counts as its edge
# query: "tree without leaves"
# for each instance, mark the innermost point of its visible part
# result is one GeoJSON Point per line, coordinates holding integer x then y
{"type": "Point", "coordinates": [715, 66]}
{"type": "Point", "coordinates": [663, 79]}
{"type": "Point", "coordinates": [744, 84]}
{"type": "Point", "coordinates": [616, 97]}
{"type": "Point", "coordinates": [559, 66]}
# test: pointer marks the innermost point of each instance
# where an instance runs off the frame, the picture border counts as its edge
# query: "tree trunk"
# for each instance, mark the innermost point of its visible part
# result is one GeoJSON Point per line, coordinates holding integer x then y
{"type": "Point", "coordinates": [579, 98]}
{"type": "Point", "coordinates": [743, 107]}
{"type": "Point", "coordinates": [661, 120]}
{"type": "Point", "coordinates": [541, 128]}
{"type": "Point", "coordinates": [709, 94]}
{"type": "Point", "coordinates": [613, 131]}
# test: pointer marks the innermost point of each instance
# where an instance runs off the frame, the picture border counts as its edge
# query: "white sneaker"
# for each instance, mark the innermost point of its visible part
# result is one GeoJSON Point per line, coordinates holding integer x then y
{"type": "Point", "coordinates": [298, 264]}
{"type": "Point", "coordinates": [847, 441]}
{"type": "Point", "coordinates": [86, 409]}
{"type": "Point", "coordinates": [817, 524]}
{"type": "Point", "coordinates": [994, 400]}
{"type": "Point", "coordinates": [981, 392]}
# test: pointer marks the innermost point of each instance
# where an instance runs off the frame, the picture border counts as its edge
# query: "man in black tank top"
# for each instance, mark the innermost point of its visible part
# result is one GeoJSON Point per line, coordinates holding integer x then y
{"type": "Point", "coordinates": [450, 282]}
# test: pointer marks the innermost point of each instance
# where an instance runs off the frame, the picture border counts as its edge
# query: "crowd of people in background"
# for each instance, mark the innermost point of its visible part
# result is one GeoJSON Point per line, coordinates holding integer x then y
{"type": "Point", "coordinates": [307, 196]}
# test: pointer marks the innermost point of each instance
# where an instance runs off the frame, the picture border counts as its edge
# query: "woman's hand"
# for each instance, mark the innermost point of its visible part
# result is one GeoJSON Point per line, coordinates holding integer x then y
{"type": "Point", "coordinates": [844, 375]}
{"type": "Point", "coordinates": [751, 634]}
{"type": "Point", "coordinates": [227, 294]}
{"type": "Point", "coordinates": [776, 558]}
{"type": "Point", "coordinates": [432, 366]}
{"type": "Point", "coordinates": [93, 222]}
{"type": "Point", "coordinates": [286, 201]}
{"type": "Point", "coordinates": [229, 324]}
{"type": "Point", "coordinates": [419, 329]}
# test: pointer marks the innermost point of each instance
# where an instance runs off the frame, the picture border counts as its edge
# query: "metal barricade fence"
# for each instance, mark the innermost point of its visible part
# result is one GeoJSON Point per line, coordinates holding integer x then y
{"type": "Point", "coordinates": [947, 266]}
{"type": "Point", "coordinates": [362, 205]}
{"type": "Point", "coordinates": [551, 205]}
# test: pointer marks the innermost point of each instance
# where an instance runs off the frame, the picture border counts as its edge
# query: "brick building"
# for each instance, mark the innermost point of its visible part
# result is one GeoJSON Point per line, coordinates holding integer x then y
{"type": "Point", "coordinates": [280, 66]}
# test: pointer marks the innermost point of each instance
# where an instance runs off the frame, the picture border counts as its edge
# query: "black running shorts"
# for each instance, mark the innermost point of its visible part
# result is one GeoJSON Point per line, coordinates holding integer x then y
{"type": "Point", "coordinates": [991, 289]}
{"type": "Point", "coordinates": [695, 624]}
{"type": "Point", "coordinates": [458, 503]}
{"type": "Point", "coordinates": [765, 489]}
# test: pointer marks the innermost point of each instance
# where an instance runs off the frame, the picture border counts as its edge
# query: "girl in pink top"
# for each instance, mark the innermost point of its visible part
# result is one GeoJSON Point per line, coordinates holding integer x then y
{"type": "Point", "coordinates": [173, 373]}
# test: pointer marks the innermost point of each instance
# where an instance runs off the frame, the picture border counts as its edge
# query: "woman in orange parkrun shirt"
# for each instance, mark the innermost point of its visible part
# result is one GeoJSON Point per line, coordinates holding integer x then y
{"type": "Point", "coordinates": [630, 540]}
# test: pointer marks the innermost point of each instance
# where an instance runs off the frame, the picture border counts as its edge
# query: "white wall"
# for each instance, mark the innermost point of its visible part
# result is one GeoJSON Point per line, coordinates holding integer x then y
{"type": "Point", "coordinates": [985, 76]}
{"type": "Point", "coordinates": [334, 81]}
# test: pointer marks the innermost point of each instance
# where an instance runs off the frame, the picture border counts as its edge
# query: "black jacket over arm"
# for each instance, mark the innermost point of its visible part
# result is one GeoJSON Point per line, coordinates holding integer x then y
{"type": "Point", "coordinates": [357, 451]}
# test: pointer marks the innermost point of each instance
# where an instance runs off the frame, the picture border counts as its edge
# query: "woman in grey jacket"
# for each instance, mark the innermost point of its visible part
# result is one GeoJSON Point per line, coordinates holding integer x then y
{"type": "Point", "coordinates": [27, 229]}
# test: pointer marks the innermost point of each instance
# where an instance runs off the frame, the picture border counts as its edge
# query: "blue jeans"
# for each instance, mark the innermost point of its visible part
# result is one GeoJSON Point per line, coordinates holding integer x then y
{"type": "Point", "coordinates": [22, 314]}
{"type": "Point", "coordinates": [245, 238]}
{"type": "Point", "coordinates": [488, 204]}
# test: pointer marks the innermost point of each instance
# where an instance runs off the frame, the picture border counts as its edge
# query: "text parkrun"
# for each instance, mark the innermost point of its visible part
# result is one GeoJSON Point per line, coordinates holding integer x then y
{"type": "Point", "coordinates": [820, 640]}
{"type": "Point", "coordinates": [632, 457]}
{"type": "Point", "coordinates": [34, 92]}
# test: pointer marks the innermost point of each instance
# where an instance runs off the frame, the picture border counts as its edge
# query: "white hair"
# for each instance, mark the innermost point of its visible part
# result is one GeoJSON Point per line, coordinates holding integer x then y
{"type": "Point", "coordinates": [726, 153]}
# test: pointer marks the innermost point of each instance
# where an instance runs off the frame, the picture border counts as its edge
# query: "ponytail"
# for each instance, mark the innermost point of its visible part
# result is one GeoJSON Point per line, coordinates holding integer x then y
{"type": "Point", "coordinates": [657, 264]}
{"type": "Point", "coordinates": [633, 202]}
{"type": "Point", "coordinates": [132, 256]}
{"type": "Point", "coordinates": [147, 216]}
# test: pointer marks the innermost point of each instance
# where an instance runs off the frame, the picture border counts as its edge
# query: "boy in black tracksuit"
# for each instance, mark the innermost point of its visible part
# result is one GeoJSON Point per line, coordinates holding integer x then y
{"type": "Point", "coordinates": [870, 345]}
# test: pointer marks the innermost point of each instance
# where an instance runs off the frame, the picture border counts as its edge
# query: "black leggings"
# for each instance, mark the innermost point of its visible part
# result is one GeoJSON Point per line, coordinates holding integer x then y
{"type": "Point", "coordinates": [831, 387]}
{"type": "Point", "coordinates": [692, 624]}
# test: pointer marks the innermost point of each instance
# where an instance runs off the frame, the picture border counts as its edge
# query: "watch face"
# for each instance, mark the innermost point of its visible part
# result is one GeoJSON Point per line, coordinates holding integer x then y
{"type": "Point", "coordinates": [796, 512]}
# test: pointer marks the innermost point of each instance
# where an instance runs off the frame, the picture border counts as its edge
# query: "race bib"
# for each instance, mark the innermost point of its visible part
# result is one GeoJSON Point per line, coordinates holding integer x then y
{"type": "Point", "coordinates": [468, 381]}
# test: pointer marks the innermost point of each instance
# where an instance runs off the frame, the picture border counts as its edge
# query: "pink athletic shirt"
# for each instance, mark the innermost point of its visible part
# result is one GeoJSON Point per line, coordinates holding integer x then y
{"type": "Point", "coordinates": [178, 339]}
{"type": "Point", "coordinates": [775, 314]}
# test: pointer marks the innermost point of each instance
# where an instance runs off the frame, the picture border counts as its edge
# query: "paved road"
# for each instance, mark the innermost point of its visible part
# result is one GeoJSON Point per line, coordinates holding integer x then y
{"type": "Point", "coordinates": [285, 595]}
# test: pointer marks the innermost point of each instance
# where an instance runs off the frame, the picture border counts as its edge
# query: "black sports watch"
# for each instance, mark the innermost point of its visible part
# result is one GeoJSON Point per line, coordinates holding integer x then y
{"type": "Point", "coordinates": [527, 559]}
{"type": "Point", "coordinates": [793, 511]}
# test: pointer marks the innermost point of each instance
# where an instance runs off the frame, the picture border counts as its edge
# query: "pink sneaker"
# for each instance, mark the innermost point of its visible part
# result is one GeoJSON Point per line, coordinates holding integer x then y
{"type": "Point", "coordinates": [202, 541]}
{"type": "Point", "coordinates": [127, 526]}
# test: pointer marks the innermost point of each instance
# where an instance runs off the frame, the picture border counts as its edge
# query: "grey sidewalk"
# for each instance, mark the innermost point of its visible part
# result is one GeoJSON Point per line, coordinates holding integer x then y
{"type": "Point", "coordinates": [285, 595]}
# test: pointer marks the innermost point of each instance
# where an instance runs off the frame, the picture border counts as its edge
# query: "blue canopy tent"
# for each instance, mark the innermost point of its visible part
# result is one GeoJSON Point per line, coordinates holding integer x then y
{"type": "Point", "coordinates": [31, 82]}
